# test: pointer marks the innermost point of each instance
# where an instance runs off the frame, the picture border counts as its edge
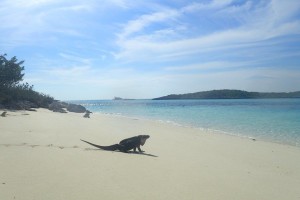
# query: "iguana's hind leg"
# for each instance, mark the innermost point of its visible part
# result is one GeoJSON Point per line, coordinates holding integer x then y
{"type": "Point", "coordinates": [113, 147]}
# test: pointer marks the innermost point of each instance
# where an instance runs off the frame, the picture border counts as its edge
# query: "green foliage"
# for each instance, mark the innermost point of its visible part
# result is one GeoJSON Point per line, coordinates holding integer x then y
{"type": "Point", "coordinates": [230, 94]}
{"type": "Point", "coordinates": [10, 71]}
{"type": "Point", "coordinates": [11, 90]}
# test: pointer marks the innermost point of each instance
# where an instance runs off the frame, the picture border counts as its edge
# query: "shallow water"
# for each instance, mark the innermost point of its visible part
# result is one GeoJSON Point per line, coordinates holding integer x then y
{"type": "Point", "coordinates": [276, 120]}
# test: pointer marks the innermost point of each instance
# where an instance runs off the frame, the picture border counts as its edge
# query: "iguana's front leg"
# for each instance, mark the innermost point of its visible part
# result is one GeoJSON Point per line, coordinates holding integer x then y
{"type": "Point", "coordinates": [140, 150]}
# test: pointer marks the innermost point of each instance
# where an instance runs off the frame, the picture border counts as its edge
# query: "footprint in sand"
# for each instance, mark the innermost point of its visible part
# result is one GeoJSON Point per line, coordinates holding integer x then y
{"type": "Point", "coordinates": [90, 149]}
{"type": "Point", "coordinates": [34, 146]}
{"type": "Point", "coordinates": [50, 145]}
{"type": "Point", "coordinates": [61, 147]}
{"type": "Point", "coordinates": [75, 147]}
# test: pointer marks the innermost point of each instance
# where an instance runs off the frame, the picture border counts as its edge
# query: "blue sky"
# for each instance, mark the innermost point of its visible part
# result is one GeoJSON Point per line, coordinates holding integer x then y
{"type": "Point", "coordinates": [144, 49]}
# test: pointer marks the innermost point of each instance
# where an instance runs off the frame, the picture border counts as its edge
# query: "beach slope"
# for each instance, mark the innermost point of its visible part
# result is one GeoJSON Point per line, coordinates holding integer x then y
{"type": "Point", "coordinates": [42, 157]}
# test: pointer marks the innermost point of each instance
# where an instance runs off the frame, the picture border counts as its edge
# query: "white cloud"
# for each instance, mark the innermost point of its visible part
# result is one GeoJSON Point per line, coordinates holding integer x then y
{"type": "Point", "coordinates": [283, 10]}
{"type": "Point", "coordinates": [120, 3]}
{"type": "Point", "coordinates": [215, 4]}
{"type": "Point", "coordinates": [207, 65]}
{"type": "Point", "coordinates": [75, 58]}
{"type": "Point", "coordinates": [25, 4]}
{"type": "Point", "coordinates": [40, 21]}
{"type": "Point", "coordinates": [143, 21]}
{"type": "Point", "coordinates": [261, 22]}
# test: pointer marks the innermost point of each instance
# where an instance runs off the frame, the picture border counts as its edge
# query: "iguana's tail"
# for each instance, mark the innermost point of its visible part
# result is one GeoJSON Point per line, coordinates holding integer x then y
{"type": "Point", "coordinates": [107, 148]}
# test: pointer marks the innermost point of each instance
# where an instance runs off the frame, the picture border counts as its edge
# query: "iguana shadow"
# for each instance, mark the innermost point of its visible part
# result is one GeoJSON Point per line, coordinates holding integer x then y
{"type": "Point", "coordinates": [129, 152]}
{"type": "Point", "coordinates": [143, 154]}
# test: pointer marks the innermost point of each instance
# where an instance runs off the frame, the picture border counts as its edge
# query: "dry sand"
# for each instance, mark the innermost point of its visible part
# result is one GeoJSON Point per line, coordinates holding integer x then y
{"type": "Point", "coordinates": [42, 157]}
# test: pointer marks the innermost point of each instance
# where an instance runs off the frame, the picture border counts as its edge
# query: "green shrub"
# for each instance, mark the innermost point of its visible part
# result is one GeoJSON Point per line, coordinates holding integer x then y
{"type": "Point", "coordinates": [11, 90]}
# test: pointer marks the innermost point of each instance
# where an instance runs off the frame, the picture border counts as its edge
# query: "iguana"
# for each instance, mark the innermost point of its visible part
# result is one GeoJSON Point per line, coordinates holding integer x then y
{"type": "Point", "coordinates": [125, 145]}
{"type": "Point", "coordinates": [3, 114]}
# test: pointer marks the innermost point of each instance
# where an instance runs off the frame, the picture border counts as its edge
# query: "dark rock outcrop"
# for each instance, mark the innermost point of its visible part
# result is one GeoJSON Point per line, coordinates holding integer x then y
{"type": "Point", "coordinates": [76, 108]}
{"type": "Point", "coordinates": [21, 105]}
{"type": "Point", "coordinates": [58, 106]}
{"type": "Point", "coordinates": [55, 106]}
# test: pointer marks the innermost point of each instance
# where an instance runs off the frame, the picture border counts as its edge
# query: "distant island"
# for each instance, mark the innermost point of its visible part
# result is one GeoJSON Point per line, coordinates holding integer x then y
{"type": "Point", "coordinates": [230, 94]}
{"type": "Point", "coordinates": [119, 98]}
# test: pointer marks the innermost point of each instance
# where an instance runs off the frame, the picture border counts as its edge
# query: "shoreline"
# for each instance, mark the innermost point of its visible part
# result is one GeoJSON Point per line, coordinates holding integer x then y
{"type": "Point", "coordinates": [42, 157]}
{"type": "Point", "coordinates": [171, 123]}
{"type": "Point", "coordinates": [271, 121]}
{"type": "Point", "coordinates": [201, 129]}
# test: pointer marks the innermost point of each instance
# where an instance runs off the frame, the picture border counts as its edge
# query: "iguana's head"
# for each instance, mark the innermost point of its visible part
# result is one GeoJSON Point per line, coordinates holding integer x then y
{"type": "Point", "coordinates": [143, 138]}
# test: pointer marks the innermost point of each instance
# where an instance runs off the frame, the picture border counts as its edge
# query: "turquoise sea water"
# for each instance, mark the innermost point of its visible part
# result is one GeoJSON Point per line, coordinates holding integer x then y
{"type": "Point", "coordinates": [275, 120]}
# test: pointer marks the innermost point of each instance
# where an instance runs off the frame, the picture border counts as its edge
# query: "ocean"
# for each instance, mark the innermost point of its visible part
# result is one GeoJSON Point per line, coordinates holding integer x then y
{"type": "Point", "coordinates": [273, 120]}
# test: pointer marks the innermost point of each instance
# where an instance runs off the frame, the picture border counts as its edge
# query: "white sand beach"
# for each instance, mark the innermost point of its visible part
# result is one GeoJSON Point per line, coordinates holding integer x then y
{"type": "Point", "coordinates": [42, 157]}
